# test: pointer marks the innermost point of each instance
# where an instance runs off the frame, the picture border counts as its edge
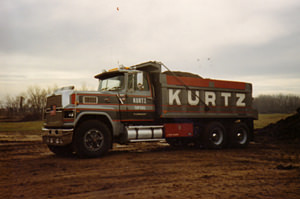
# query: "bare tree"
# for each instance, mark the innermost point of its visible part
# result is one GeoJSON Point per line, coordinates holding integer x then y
{"type": "Point", "coordinates": [29, 104]}
{"type": "Point", "coordinates": [12, 105]}
{"type": "Point", "coordinates": [36, 99]}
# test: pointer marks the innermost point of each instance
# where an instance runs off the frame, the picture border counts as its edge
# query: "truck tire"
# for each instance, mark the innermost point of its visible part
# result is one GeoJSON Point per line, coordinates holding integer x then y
{"type": "Point", "coordinates": [214, 136]}
{"type": "Point", "coordinates": [63, 151]}
{"type": "Point", "coordinates": [239, 135]}
{"type": "Point", "coordinates": [92, 139]}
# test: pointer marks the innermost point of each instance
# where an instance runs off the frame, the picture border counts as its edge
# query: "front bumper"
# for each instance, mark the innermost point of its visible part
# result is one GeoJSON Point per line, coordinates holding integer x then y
{"type": "Point", "coordinates": [58, 137]}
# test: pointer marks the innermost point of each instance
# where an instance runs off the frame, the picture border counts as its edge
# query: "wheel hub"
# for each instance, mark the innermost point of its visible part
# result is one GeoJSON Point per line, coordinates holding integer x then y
{"type": "Point", "coordinates": [217, 136]}
{"type": "Point", "coordinates": [93, 139]}
{"type": "Point", "coordinates": [241, 136]}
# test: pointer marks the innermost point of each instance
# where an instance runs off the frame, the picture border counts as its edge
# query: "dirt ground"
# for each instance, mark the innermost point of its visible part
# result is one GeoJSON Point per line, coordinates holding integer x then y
{"type": "Point", "coordinates": [151, 170]}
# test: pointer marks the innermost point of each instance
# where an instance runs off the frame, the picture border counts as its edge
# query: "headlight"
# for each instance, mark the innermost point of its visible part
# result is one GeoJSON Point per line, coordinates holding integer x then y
{"type": "Point", "coordinates": [69, 114]}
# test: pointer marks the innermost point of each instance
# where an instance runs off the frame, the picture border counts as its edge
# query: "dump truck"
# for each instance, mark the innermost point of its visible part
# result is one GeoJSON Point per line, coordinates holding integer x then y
{"type": "Point", "coordinates": [142, 103]}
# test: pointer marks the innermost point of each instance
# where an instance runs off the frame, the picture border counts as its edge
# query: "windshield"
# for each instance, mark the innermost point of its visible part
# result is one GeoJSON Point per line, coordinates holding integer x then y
{"type": "Point", "coordinates": [112, 84]}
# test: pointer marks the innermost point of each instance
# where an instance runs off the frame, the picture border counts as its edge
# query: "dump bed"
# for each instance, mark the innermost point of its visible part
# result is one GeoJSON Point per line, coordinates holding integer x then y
{"type": "Point", "coordinates": [190, 96]}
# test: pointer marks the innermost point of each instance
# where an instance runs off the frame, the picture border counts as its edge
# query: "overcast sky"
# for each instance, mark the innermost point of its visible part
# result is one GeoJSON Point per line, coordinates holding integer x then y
{"type": "Point", "coordinates": [60, 42]}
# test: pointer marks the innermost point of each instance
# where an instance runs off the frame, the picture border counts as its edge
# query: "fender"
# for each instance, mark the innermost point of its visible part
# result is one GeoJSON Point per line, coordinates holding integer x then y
{"type": "Point", "coordinates": [116, 125]}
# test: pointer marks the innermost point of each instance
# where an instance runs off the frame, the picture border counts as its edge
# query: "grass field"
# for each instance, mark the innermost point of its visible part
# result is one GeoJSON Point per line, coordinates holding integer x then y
{"type": "Point", "coordinates": [266, 119]}
{"type": "Point", "coordinates": [34, 126]}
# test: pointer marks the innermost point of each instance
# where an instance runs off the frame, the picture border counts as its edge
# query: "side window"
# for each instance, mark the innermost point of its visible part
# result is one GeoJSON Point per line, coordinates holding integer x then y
{"type": "Point", "coordinates": [138, 82]}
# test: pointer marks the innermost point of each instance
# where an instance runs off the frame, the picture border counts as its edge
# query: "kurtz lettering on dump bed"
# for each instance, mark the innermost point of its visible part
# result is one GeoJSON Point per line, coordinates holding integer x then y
{"type": "Point", "coordinates": [210, 98]}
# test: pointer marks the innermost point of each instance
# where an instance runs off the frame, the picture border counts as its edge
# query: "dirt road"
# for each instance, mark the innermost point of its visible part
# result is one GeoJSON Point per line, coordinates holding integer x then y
{"type": "Point", "coordinates": [151, 170]}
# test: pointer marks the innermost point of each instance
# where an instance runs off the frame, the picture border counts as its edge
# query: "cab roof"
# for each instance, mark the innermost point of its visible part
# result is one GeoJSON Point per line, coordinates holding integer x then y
{"type": "Point", "coordinates": [150, 66]}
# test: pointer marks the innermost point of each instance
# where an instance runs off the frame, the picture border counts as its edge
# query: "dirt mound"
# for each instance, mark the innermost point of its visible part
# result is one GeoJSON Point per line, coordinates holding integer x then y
{"type": "Point", "coordinates": [182, 74]}
{"type": "Point", "coordinates": [285, 129]}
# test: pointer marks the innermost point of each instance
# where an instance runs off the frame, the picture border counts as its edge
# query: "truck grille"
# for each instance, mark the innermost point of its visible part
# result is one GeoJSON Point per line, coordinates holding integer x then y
{"type": "Point", "coordinates": [54, 111]}
{"type": "Point", "coordinates": [54, 100]}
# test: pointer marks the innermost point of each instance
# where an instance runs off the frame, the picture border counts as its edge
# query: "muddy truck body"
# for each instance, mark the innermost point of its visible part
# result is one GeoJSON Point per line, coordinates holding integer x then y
{"type": "Point", "coordinates": [141, 103]}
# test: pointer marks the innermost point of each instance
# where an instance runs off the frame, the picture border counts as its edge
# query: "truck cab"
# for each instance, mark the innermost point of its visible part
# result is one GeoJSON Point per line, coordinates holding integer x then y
{"type": "Point", "coordinates": [131, 91]}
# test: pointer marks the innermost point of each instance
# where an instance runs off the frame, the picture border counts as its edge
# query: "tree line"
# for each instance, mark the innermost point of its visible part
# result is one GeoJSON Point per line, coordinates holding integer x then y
{"type": "Point", "coordinates": [30, 104]}
{"type": "Point", "coordinates": [276, 103]}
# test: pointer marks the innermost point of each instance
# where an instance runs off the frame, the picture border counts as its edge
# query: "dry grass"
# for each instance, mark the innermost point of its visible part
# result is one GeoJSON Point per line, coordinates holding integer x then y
{"type": "Point", "coordinates": [266, 119]}
{"type": "Point", "coordinates": [34, 127]}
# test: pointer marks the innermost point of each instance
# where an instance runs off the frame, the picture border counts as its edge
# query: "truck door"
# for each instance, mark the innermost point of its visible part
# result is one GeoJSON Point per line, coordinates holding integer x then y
{"type": "Point", "coordinates": [139, 103]}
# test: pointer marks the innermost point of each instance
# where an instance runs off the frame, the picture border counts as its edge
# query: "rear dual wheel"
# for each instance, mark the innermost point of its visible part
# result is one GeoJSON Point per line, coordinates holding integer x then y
{"type": "Point", "coordinates": [239, 135]}
{"type": "Point", "coordinates": [214, 135]}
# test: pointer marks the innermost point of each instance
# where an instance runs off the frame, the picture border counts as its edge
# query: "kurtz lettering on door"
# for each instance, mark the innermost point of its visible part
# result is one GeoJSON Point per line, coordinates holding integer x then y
{"type": "Point", "coordinates": [139, 100]}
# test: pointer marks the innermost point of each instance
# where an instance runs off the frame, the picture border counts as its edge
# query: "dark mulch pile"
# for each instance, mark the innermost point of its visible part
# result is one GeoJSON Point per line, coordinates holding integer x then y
{"type": "Point", "coordinates": [285, 129]}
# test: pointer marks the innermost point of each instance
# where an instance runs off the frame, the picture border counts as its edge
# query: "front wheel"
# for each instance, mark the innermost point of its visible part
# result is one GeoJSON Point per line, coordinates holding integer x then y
{"type": "Point", "coordinates": [92, 139]}
{"type": "Point", "coordinates": [214, 135]}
